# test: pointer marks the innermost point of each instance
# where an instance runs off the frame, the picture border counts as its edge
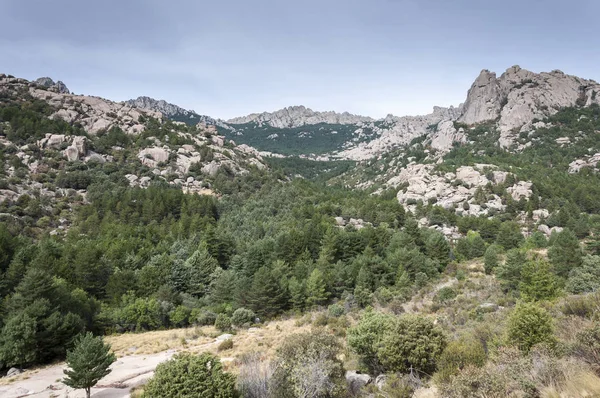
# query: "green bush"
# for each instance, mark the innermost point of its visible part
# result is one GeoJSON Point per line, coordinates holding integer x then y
{"type": "Point", "coordinates": [585, 278]}
{"type": "Point", "coordinates": [206, 318]}
{"type": "Point", "coordinates": [336, 310]}
{"type": "Point", "coordinates": [242, 316]}
{"type": "Point", "coordinates": [365, 338]}
{"type": "Point", "coordinates": [188, 375]}
{"type": "Point", "coordinates": [445, 294]}
{"type": "Point", "coordinates": [413, 342]}
{"type": "Point", "coordinates": [458, 355]}
{"type": "Point", "coordinates": [223, 323]}
{"type": "Point", "coordinates": [528, 325]}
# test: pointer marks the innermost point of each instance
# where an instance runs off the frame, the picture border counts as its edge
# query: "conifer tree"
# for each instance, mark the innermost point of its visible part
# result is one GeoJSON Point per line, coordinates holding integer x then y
{"type": "Point", "coordinates": [565, 253]}
{"type": "Point", "coordinates": [316, 289]}
{"type": "Point", "coordinates": [88, 362]}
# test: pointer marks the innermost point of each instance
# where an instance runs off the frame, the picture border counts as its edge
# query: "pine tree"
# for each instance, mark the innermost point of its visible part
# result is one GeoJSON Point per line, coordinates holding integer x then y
{"type": "Point", "coordinates": [537, 281]}
{"type": "Point", "coordinates": [88, 362]}
{"type": "Point", "coordinates": [565, 253]}
{"type": "Point", "coordinates": [200, 267]}
{"type": "Point", "coordinates": [509, 273]}
{"type": "Point", "coordinates": [437, 248]}
{"type": "Point", "coordinates": [316, 289]}
{"type": "Point", "coordinates": [297, 293]}
{"type": "Point", "coordinates": [266, 297]}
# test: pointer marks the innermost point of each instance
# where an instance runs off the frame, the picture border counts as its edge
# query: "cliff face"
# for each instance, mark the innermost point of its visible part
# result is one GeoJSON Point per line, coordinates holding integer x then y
{"type": "Point", "coordinates": [519, 96]}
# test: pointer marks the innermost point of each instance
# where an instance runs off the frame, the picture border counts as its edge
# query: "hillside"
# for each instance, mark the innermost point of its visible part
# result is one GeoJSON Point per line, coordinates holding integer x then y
{"type": "Point", "coordinates": [454, 256]}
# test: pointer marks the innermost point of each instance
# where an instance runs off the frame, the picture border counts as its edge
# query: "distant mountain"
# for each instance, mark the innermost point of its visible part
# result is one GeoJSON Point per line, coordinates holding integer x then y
{"type": "Point", "coordinates": [172, 111]}
{"type": "Point", "coordinates": [298, 116]}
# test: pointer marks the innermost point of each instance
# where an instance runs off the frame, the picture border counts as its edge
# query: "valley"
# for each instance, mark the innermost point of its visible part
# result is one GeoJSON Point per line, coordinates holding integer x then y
{"type": "Point", "coordinates": [304, 253]}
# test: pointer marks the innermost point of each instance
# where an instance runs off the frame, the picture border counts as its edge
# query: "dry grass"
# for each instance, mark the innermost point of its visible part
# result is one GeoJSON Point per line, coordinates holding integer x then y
{"type": "Point", "coordinates": [159, 341]}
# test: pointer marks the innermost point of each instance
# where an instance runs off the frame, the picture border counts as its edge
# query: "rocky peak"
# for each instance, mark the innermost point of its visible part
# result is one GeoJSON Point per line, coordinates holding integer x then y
{"type": "Point", "coordinates": [58, 87]}
{"type": "Point", "coordinates": [518, 96]}
{"type": "Point", "coordinates": [296, 116]}
{"type": "Point", "coordinates": [172, 111]}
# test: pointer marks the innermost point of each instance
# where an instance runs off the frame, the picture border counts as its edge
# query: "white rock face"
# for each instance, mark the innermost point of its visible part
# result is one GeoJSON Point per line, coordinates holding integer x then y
{"type": "Point", "coordinates": [452, 190]}
{"type": "Point", "coordinates": [93, 113]}
{"type": "Point", "coordinates": [522, 189]}
{"type": "Point", "coordinates": [591, 162]}
{"type": "Point", "coordinates": [446, 135]}
{"type": "Point", "coordinates": [297, 116]}
{"type": "Point", "coordinates": [519, 96]}
{"type": "Point", "coordinates": [169, 110]}
{"type": "Point", "coordinates": [397, 131]}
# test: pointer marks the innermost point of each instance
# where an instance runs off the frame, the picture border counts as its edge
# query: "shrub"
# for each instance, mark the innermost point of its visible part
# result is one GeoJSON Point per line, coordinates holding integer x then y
{"type": "Point", "coordinates": [458, 355]}
{"type": "Point", "coordinates": [336, 310]}
{"type": "Point", "coordinates": [413, 342]}
{"type": "Point", "coordinates": [587, 306]}
{"type": "Point", "coordinates": [223, 323]}
{"type": "Point", "coordinates": [308, 366]}
{"type": "Point", "coordinates": [366, 336]}
{"type": "Point", "coordinates": [445, 294]}
{"type": "Point", "coordinates": [528, 325]}
{"type": "Point", "coordinates": [321, 319]}
{"type": "Point", "coordinates": [206, 318]}
{"type": "Point", "coordinates": [537, 281]}
{"type": "Point", "coordinates": [242, 316]}
{"type": "Point", "coordinates": [188, 375]}
{"type": "Point", "coordinates": [585, 278]}
{"type": "Point", "coordinates": [225, 345]}
{"type": "Point", "coordinates": [180, 316]}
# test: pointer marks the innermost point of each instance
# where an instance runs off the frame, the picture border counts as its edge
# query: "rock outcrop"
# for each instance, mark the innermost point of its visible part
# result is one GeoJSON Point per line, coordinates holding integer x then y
{"type": "Point", "coordinates": [92, 113]}
{"type": "Point", "coordinates": [455, 190]}
{"type": "Point", "coordinates": [48, 83]}
{"type": "Point", "coordinates": [174, 112]}
{"type": "Point", "coordinates": [394, 131]}
{"type": "Point", "coordinates": [519, 96]}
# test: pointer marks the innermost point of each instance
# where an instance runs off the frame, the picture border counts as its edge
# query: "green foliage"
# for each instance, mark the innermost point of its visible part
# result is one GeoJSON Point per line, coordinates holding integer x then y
{"type": "Point", "coordinates": [458, 354]}
{"type": "Point", "coordinates": [528, 325]}
{"type": "Point", "coordinates": [225, 345]}
{"type": "Point", "coordinates": [472, 246]}
{"type": "Point", "coordinates": [586, 277]}
{"type": "Point", "coordinates": [509, 235]}
{"type": "Point", "coordinates": [308, 366]}
{"type": "Point", "coordinates": [242, 316]}
{"type": "Point", "coordinates": [490, 258]}
{"type": "Point", "coordinates": [537, 281]}
{"type": "Point", "coordinates": [223, 323]}
{"type": "Point", "coordinates": [565, 253]}
{"type": "Point", "coordinates": [336, 310]}
{"type": "Point", "coordinates": [413, 342]}
{"type": "Point", "coordinates": [316, 289]}
{"type": "Point", "coordinates": [188, 375]}
{"type": "Point", "coordinates": [445, 294]}
{"type": "Point", "coordinates": [365, 338]}
{"type": "Point", "coordinates": [88, 362]}
{"type": "Point", "coordinates": [509, 273]}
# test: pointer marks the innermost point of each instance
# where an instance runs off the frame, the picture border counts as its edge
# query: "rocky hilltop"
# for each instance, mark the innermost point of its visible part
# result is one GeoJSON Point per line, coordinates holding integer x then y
{"type": "Point", "coordinates": [56, 144]}
{"type": "Point", "coordinates": [172, 111]}
{"type": "Point", "coordinates": [519, 96]}
{"type": "Point", "coordinates": [49, 84]}
{"type": "Point", "coordinates": [94, 114]}
{"type": "Point", "coordinates": [298, 116]}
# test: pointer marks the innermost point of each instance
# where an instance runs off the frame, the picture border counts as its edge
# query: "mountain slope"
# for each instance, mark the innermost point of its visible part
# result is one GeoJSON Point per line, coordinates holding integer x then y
{"type": "Point", "coordinates": [172, 111]}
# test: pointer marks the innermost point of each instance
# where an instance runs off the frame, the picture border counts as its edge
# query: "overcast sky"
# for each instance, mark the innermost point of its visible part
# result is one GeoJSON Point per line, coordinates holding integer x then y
{"type": "Point", "coordinates": [228, 58]}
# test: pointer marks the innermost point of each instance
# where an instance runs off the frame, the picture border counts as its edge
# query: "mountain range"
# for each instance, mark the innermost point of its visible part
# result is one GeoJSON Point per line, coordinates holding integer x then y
{"type": "Point", "coordinates": [514, 100]}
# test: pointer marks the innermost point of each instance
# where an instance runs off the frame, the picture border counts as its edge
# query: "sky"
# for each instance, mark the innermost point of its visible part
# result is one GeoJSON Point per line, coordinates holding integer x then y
{"type": "Point", "coordinates": [229, 58]}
